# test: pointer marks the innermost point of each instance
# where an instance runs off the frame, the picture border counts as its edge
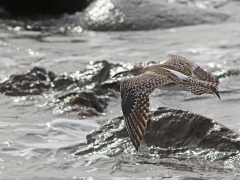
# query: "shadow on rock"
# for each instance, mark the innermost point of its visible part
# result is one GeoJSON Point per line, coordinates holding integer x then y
{"type": "Point", "coordinates": [174, 138]}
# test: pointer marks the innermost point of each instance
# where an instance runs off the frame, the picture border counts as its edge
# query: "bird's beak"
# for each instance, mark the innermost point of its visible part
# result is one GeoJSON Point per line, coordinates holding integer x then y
{"type": "Point", "coordinates": [123, 72]}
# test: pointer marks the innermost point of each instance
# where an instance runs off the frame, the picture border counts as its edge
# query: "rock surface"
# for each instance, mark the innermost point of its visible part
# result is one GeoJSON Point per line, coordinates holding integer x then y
{"type": "Point", "coordinates": [120, 15]}
{"type": "Point", "coordinates": [178, 129]}
{"type": "Point", "coordinates": [34, 82]}
{"type": "Point", "coordinates": [167, 129]}
{"type": "Point", "coordinates": [86, 92]}
{"type": "Point", "coordinates": [174, 138]}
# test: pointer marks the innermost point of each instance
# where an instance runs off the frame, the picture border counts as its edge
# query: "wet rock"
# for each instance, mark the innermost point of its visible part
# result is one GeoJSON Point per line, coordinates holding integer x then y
{"type": "Point", "coordinates": [52, 75]}
{"type": "Point", "coordinates": [170, 131]}
{"type": "Point", "coordinates": [28, 7]}
{"type": "Point", "coordinates": [38, 69]}
{"type": "Point", "coordinates": [177, 129]}
{"type": "Point", "coordinates": [62, 82]}
{"type": "Point", "coordinates": [82, 102]}
{"type": "Point", "coordinates": [85, 92]}
{"type": "Point", "coordinates": [120, 15]}
{"type": "Point", "coordinates": [82, 112]}
{"type": "Point", "coordinates": [103, 73]}
{"type": "Point", "coordinates": [82, 92]}
{"type": "Point", "coordinates": [90, 101]}
{"type": "Point", "coordinates": [94, 100]}
{"type": "Point", "coordinates": [175, 139]}
{"type": "Point", "coordinates": [94, 74]}
{"type": "Point", "coordinates": [33, 82]}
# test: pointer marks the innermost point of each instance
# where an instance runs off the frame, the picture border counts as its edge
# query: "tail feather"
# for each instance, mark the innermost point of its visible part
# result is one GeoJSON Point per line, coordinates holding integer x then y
{"type": "Point", "coordinates": [199, 87]}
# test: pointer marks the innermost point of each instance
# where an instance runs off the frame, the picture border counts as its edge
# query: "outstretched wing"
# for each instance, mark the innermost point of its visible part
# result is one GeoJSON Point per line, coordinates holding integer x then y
{"type": "Point", "coordinates": [188, 67]}
{"type": "Point", "coordinates": [135, 102]}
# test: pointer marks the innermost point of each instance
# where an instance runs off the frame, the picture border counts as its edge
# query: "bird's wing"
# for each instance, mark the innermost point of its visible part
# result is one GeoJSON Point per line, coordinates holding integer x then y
{"type": "Point", "coordinates": [188, 67]}
{"type": "Point", "coordinates": [135, 102]}
{"type": "Point", "coordinates": [203, 75]}
{"type": "Point", "coordinates": [181, 63]}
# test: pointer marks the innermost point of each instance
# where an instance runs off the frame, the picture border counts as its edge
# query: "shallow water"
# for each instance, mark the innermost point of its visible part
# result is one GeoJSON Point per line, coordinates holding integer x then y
{"type": "Point", "coordinates": [37, 144]}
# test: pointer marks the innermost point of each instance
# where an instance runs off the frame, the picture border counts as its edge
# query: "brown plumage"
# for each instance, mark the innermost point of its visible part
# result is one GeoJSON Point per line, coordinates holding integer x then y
{"type": "Point", "coordinates": [175, 72]}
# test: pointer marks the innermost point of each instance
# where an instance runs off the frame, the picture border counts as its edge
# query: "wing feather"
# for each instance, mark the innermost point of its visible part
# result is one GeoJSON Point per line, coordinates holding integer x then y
{"type": "Point", "coordinates": [188, 67]}
{"type": "Point", "coordinates": [181, 64]}
{"type": "Point", "coordinates": [130, 132]}
{"type": "Point", "coordinates": [135, 102]}
{"type": "Point", "coordinates": [135, 91]}
{"type": "Point", "coordinates": [198, 87]}
{"type": "Point", "coordinates": [203, 75]}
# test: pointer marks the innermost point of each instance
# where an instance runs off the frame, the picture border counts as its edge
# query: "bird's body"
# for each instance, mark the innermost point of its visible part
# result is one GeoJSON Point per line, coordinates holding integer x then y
{"type": "Point", "coordinates": [176, 73]}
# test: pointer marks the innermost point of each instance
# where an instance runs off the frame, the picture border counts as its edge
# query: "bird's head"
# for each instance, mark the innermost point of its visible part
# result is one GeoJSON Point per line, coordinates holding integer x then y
{"type": "Point", "coordinates": [136, 70]}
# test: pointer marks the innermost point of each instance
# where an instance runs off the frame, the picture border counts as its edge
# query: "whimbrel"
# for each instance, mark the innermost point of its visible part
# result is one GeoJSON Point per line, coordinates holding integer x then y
{"type": "Point", "coordinates": [177, 71]}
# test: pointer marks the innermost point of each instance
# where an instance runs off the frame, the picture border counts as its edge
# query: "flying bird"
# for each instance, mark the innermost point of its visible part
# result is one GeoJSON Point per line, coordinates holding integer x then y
{"type": "Point", "coordinates": [177, 73]}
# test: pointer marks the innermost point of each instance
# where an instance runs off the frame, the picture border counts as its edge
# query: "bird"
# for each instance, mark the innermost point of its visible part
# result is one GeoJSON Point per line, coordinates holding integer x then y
{"type": "Point", "coordinates": [177, 72]}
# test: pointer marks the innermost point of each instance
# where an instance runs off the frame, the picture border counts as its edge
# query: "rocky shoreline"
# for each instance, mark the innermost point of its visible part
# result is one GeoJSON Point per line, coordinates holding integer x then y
{"type": "Point", "coordinates": [89, 91]}
{"type": "Point", "coordinates": [85, 92]}
{"type": "Point", "coordinates": [174, 133]}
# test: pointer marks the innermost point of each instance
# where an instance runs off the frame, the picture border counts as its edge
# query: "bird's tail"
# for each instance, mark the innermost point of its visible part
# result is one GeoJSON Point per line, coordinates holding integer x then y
{"type": "Point", "coordinates": [199, 87]}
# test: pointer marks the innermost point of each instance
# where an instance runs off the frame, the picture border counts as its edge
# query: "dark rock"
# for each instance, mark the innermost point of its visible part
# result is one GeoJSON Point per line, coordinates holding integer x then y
{"type": "Point", "coordinates": [88, 103]}
{"type": "Point", "coordinates": [38, 69]}
{"type": "Point", "coordinates": [169, 130]}
{"type": "Point", "coordinates": [103, 73]}
{"type": "Point", "coordinates": [120, 15]}
{"type": "Point", "coordinates": [62, 82]}
{"type": "Point", "coordinates": [175, 139]}
{"type": "Point", "coordinates": [41, 75]}
{"type": "Point", "coordinates": [29, 7]}
{"type": "Point", "coordinates": [51, 75]}
{"type": "Point", "coordinates": [86, 92]}
{"type": "Point", "coordinates": [82, 92]}
{"type": "Point", "coordinates": [87, 112]}
{"type": "Point", "coordinates": [33, 82]}
{"type": "Point", "coordinates": [178, 129]}
{"type": "Point", "coordinates": [94, 100]}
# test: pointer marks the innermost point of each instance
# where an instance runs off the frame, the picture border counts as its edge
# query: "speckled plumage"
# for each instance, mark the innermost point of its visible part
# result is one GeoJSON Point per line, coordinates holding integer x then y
{"type": "Point", "coordinates": [135, 90]}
